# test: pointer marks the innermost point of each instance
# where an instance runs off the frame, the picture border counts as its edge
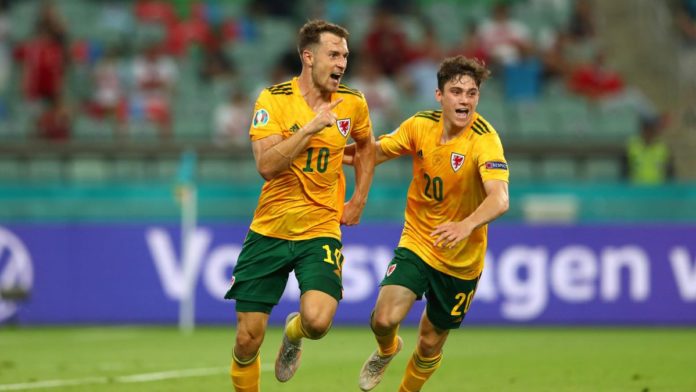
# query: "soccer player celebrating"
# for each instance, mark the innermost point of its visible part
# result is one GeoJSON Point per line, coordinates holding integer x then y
{"type": "Point", "coordinates": [299, 131]}
{"type": "Point", "coordinates": [460, 184]}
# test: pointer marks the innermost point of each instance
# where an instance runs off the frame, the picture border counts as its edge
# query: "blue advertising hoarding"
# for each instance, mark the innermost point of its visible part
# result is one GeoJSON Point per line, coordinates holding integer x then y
{"type": "Point", "coordinates": [133, 273]}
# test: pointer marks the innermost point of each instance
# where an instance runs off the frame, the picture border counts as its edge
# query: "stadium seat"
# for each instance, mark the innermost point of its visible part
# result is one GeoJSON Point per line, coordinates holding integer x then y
{"type": "Point", "coordinates": [87, 168]}
{"type": "Point", "coordinates": [618, 124]}
{"type": "Point", "coordinates": [521, 169]}
{"type": "Point", "coordinates": [602, 170]}
{"type": "Point", "coordinates": [45, 168]}
{"type": "Point", "coordinates": [127, 169]}
{"type": "Point", "coordinates": [11, 169]}
{"type": "Point", "coordinates": [532, 119]}
{"type": "Point", "coordinates": [558, 169]}
{"type": "Point", "coordinates": [571, 115]}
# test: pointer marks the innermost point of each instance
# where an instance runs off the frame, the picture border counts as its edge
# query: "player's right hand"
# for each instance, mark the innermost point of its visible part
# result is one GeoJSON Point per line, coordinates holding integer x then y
{"type": "Point", "coordinates": [324, 118]}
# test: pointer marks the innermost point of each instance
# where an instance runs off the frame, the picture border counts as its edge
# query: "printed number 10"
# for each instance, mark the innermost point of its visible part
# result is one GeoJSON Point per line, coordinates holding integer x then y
{"type": "Point", "coordinates": [322, 160]}
{"type": "Point", "coordinates": [337, 257]}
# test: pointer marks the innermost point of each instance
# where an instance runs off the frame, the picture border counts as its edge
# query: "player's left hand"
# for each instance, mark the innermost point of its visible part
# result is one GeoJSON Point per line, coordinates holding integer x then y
{"type": "Point", "coordinates": [448, 235]}
{"type": "Point", "coordinates": [349, 154]}
{"type": "Point", "coordinates": [351, 212]}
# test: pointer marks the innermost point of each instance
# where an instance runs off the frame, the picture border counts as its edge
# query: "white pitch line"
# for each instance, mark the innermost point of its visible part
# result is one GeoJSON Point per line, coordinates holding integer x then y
{"type": "Point", "coordinates": [133, 378]}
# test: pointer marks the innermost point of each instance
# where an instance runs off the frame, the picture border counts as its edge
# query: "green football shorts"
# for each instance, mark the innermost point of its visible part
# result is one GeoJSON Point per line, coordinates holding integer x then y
{"type": "Point", "coordinates": [264, 264]}
{"type": "Point", "coordinates": [448, 297]}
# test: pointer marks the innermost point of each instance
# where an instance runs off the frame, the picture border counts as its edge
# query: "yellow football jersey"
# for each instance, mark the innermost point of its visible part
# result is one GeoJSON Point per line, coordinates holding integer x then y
{"type": "Point", "coordinates": [447, 186]}
{"type": "Point", "coordinates": [306, 201]}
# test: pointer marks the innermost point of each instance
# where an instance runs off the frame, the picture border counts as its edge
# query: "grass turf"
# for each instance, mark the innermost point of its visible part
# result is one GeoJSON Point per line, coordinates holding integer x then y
{"type": "Point", "coordinates": [475, 359]}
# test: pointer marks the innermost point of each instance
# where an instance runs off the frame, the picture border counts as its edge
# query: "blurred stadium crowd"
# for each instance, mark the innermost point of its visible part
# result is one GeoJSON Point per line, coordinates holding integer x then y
{"type": "Point", "coordinates": [83, 83]}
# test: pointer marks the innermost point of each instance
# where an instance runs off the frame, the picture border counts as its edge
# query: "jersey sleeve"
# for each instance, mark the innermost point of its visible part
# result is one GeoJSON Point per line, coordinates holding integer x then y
{"type": "Point", "coordinates": [265, 120]}
{"type": "Point", "coordinates": [491, 161]}
{"type": "Point", "coordinates": [362, 130]}
{"type": "Point", "coordinates": [400, 141]}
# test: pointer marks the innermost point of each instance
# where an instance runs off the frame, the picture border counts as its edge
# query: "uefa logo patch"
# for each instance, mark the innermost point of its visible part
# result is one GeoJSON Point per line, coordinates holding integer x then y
{"type": "Point", "coordinates": [457, 160]}
{"type": "Point", "coordinates": [391, 269]}
{"type": "Point", "coordinates": [493, 165]}
{"type": "Point", "coordinates": [261, 118]}
{"type": "Point", "coordinates": [343, 126]}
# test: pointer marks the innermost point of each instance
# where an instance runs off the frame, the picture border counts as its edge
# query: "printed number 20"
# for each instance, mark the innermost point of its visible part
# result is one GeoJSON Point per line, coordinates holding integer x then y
{"type": "Point", "coordinates": [465, 300]}
{"type": "Point", "coordinates": [436, 185]}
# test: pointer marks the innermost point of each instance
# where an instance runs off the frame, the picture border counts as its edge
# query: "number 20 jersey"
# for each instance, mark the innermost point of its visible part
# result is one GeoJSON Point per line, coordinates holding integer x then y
{"type": "Point", "coordinates": [447, 186]}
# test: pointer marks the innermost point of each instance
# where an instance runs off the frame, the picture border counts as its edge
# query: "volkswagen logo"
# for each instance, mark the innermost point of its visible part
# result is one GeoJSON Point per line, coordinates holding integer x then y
{"type": "Point", "coordinates": [16, 272]}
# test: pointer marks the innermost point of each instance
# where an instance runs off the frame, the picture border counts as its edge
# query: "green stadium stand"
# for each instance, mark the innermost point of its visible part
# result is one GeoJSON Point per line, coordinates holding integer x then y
{"type": "Point", "coordinates": [11, 170]}
{"type": "Point", "coordinates": [521, 169]}
{"type": "Point", "coordinates": [602, 170]}
{"type": "Point", "coordinates": [128, 169]}
{"type": "Point", "coordinates": [87, 169]}
{"type": "Point", "coordinates": [558, 169]}
{"type": "Point", "coordinates": [45, 168]}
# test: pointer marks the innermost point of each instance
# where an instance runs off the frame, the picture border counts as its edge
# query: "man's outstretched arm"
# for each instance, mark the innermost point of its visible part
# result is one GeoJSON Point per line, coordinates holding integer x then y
{"type": "Point", "coordinates": [363, 160]}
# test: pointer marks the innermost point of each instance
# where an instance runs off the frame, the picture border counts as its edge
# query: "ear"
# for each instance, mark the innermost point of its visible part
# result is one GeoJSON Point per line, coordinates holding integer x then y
{"type": "Point", "coordinates": [438, 95]}
{"type": "Point", "coordinates": [307, 57]}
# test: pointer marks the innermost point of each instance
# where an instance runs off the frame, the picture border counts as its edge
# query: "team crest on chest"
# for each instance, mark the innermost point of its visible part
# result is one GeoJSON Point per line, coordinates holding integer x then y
{"type": "Point", "coordinates": [343, 126]}
{"type": "Point", "coordinates": [457, 160]}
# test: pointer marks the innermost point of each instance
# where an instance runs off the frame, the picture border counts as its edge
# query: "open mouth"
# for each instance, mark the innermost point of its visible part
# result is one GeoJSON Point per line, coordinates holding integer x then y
{"type": "Point", "coordinates": [336, 76]}
{"type": "Point", "coordinates": [464, 111]}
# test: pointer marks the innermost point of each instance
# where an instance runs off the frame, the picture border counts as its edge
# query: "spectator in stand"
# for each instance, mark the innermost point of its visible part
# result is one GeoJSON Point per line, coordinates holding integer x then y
{"type": "Point", "coordinates": [232, 121]}
{"type": "Point", "coordinates": [596, 80]}
{"type": "Point", "coordinates": [522, 79]}
{"type": "Point", "coordinates": [381, 95]}
{"type": "Point", "coordinates": [647, 155]}
{"type": "Point", "coordinates": [386, 43]}
{"type": "Point", "coordinates": [194, 30]}
{"type": "Point", "coordinates": [216, 65]}
{"type": "Point", "coordinates": [685, 19]}
{"type": "Point", "coordinates": [5, 58]}
{"type": "Point", "coordinates": [568, 48]}
{"type": "Point", "coordinates": [108, 101]}
{"type": "Point", "coordinates": [44, 63]}
{"type": "Point", "coordinates": [154, 75]}
{"type": "Point", "coordinates": [283, 70]}
{"type": "Point", "coordinates": [55, 24]}
{"type": "Point", "coordinates": [471, 46]}
{"type": "Point", "coordinates": [155, 11]}
{"type": "Point", "coordinates": [582, 21]}
{"type": "Point", "coordinates": [504, 39]}
{"type": "Point", "coordinates": [556, 64]}
{"type": "Point", "coordinates": [55, 123]}
{"type": "Point", "coordinates": [425, 59]}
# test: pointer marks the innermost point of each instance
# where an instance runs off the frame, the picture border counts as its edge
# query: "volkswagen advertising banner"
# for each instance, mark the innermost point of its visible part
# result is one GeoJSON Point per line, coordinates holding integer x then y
{"type": "Point", "coordinates": [134, 273]}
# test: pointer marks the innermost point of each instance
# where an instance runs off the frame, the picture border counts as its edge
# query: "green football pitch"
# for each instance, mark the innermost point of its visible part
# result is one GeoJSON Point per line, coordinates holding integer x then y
{"type": "Point", "coordinates": [475, 359]}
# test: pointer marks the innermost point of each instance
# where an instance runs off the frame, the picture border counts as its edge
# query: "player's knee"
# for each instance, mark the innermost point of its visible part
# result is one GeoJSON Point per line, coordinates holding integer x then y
{"type": "Point", "coordinates": [383, 323]}
{"type": "Point", "coordinates": [316, 327]}
{"type": "Point", "coordinates": [429, 346]}
{"type": "Point", "coordinates": [247, 344]}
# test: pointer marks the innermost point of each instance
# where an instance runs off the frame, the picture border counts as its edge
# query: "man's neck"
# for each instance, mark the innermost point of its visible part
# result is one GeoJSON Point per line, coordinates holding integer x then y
{"type": "Point", "coordinates": [450, 131]}
{"type": "Point", "coordinates": [311, 94]}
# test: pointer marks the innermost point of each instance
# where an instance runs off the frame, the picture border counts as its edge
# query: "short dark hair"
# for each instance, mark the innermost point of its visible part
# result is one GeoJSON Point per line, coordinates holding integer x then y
{"type": "Point", "coordinates": [311, 32]}
{"type": "Point", "coordinates": [454, 67]}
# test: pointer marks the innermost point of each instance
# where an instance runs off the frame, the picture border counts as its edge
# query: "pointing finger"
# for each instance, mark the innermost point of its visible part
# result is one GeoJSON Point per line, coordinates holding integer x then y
{"type": "Point", "coordinates": [335, 103]}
